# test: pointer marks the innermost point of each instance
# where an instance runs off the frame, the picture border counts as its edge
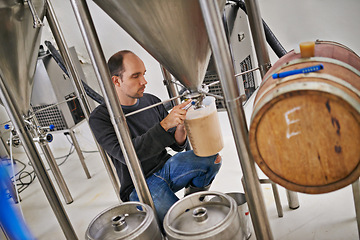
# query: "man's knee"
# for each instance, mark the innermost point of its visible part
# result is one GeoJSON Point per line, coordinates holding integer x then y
{"type": "Point", "coordinates": [218, 159]}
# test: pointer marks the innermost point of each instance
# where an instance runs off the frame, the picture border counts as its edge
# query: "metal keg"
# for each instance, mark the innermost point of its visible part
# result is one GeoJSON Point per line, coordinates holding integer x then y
{"type": "Point", "coordinates": [130, 220]}
{"type": "Point", "coordinates": [204, 215]}
{"type": "Point", "coordinates": [243, 210]}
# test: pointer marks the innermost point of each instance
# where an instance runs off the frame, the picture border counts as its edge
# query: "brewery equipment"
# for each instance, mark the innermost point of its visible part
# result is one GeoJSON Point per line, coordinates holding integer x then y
{"type": "Point", "coordinates": [204, 215]}
{"type": "Point", "coordinates": [176, 34]}
{"type": "Point", "coordinates": [126, 221]}
{"type": "Point", "coordinates": [314, 116]}
{"type": "Point", "coordinates": [19, 38]}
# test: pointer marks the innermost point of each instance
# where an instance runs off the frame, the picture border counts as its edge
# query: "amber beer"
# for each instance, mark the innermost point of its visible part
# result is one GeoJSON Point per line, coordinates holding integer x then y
{"type": "Point", "coordinates": [203, 129]}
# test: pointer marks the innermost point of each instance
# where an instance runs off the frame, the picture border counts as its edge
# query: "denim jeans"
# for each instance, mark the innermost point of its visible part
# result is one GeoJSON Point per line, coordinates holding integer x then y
{"type": "Point", "coordinates": [178, 172]}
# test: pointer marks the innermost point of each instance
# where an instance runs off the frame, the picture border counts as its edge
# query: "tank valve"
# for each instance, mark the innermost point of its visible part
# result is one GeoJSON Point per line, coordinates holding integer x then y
{"type": "Point", "coordinates": [46, 138]}
{"type": "Point", "coordinates": [14, 141]}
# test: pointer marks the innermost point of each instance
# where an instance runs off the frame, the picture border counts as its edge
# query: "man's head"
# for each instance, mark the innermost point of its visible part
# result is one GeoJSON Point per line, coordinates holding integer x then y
{"type": "Point", "coordinates": [127, 73]}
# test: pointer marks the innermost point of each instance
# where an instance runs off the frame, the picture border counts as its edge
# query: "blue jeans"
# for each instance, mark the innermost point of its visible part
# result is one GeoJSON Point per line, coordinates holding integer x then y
{"type": "Point", "coordinates": [181, 170]}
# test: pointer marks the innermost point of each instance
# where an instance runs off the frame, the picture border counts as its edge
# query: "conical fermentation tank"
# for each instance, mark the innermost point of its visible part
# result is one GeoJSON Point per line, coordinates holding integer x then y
{"type": "Point", "coordinates": [19, 46]}
{"type": "Point", "coordinates": [173, 32]}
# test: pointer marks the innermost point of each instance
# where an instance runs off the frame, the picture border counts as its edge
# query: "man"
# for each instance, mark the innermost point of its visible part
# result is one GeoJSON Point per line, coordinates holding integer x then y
{"type": "Point", "coordinates": [151, 131]}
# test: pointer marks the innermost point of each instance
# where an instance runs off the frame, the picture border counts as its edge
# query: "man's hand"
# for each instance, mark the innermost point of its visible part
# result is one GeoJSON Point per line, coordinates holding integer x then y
{"type": "Point", "coordinates": [176, 116]}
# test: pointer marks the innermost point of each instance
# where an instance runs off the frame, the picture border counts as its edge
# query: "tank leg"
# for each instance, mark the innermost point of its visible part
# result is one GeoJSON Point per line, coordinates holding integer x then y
{"type": "Point", "coordinates": [277, 200]}
{"type": "Point", "coordinates": [356, 194]}
{"type": "Point", "coordinates": [293, 199]}
{"type": "Point", "coordinates": [78, 151]}
{"type": "Point", "coordinates": [276, 196]}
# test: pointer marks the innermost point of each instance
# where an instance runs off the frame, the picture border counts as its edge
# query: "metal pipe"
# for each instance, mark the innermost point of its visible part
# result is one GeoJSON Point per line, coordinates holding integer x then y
{"type": "Point", "coordinates": [56, 171]}
{"type": "Point", "coordinates": [293, 199]}
{"type": "Point", "coordinates": [257, 30]}
{"type": "Point", "coordinates": [277, 199]}
{"type": "Point", "coordinates": [52, 164]}
{"type": "Point", "coordinates": [170, 85]}
{"type": "Point", "coordinates": [276, 195]}
{"type": "Point", "coordinates": [118, 120]}
{"type": "Point", "coordinates": [224, 66]}
{"type": "Point", "coordinates": [248, 71]}
{"type": "Point", "coordinates": [35, 159]}
{"type": "Point", "coordinates": [64, 50]}
{"type": "Point", "coordinates": [78, 150]}
{"type": "Point", "coordinates": [356, 195]}
{"type": "Point", "coordinates": [258, 35]}
{"type": "Point", "coordinates": [36, 20]}
{"type": "Point", "coordinates": [151, 106]}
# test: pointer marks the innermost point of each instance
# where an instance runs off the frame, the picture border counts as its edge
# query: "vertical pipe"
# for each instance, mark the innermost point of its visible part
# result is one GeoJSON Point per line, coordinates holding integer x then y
{"type": "Point", "coordinates": [356, 195]}
{"type": "Point", "coordinates": [221, 53]}
{"type": "Point", "coordinates": [113, 105]}
{"type": "Point", "coordinates": [52, 164]}
{"type": "Point", "coordinates": [78, 150]}
{"type": "Point", "coordinates": [277, 199]}
{"type": "Point", "coordinates": [172, 90]}
{"type": "Point", "coordinates": [60, 40]}
{"type": "Point", "coordinates": [56, 171]}
{"type": "Point", "coordinates": [35, 159]}
{"type": "Point", "coordinates": [293, 199]}
{"type": "Point", "coordinates": [258, 35]}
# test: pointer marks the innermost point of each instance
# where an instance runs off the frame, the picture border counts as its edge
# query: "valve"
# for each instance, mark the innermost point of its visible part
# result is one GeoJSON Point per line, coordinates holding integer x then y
{"type": "Point", "coordinates": [45, 138]}
{"type": "Point", "coordinates": [14, 141]}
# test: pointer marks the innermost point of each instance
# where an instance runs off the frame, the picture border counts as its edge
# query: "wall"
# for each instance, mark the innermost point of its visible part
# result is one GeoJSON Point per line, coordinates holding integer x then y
{"type": "Point", "coordinates": [296, 21]}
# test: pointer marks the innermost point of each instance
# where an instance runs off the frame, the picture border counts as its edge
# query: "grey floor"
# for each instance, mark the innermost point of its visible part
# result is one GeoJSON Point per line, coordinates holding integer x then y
{"type": "Point", "coordinates": [324, 216]}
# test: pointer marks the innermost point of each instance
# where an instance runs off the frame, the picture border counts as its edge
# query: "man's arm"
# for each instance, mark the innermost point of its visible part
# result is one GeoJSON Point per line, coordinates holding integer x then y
{"type": "Point", "coordinates": [180, 134]}
{"type": "Point", "coordinates": [176, 119]}
{"type": "Point", "coordinates": [146, 145]}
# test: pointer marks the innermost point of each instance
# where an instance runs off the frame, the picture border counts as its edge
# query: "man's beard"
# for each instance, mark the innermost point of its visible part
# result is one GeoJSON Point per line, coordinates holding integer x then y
{"type": "Point", "coordinates": [136, 95]}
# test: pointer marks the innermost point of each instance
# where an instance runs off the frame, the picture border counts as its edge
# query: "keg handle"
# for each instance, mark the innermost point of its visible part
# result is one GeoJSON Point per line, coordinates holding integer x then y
{"type": "Point", "coordinates": [212, 198]}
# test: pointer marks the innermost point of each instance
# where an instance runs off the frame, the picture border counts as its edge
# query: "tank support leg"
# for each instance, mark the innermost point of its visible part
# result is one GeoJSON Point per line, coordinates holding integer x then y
{"type": "Point", "coordinates": [356, 193]}
{"type": "Point", "coordinates": [79, 153]}
{"type": "Point", "coordinates": [276, 196]}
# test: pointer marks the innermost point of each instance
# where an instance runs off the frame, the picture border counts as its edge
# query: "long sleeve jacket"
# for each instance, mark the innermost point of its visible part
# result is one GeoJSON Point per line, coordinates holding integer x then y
{"type": "Point", "coordinates": [148, 137]}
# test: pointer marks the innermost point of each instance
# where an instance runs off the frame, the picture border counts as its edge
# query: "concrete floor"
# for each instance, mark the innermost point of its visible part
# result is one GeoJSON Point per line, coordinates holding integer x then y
{"type": "Point", "coordinates": [324, 216]}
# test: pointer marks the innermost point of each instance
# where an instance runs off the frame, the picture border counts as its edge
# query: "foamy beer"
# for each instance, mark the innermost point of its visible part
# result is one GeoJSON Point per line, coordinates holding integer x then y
{"type": "Point", "coordinates": [203, 129]}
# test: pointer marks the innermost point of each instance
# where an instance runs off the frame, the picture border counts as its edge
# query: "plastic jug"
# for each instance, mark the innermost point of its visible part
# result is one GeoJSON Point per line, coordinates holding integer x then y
{"type": "Point", "coordinates": [203, 129]}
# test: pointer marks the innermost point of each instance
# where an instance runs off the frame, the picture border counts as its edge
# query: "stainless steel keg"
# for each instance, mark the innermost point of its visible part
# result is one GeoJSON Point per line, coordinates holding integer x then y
{"type": "Point", "coordinates": [204, 215]}
{"type": "Point", "coordinates": [243, 211]}
{"type": "Point", "coordinates": [130, 220]}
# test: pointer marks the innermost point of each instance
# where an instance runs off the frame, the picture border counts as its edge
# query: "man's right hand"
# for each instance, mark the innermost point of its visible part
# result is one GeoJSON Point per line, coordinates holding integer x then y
{"type": "Point", "coordinates": [176, 116]}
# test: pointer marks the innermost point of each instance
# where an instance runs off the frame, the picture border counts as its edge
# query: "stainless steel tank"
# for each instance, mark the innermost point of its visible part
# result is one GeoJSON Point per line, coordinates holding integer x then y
{"type": "Point", "coordinates": [19, 48]}
{"type": "Point", "coordinates": [130, 220]}
{"type": "Point", "coordinates": [204, 215]}
{"type": "Point", "coordinates": [172, 31]}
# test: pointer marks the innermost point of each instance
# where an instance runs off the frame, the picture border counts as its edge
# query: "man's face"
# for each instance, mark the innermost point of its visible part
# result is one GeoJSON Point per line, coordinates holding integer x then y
{"type": "Point", "coordinates": [133, 78]}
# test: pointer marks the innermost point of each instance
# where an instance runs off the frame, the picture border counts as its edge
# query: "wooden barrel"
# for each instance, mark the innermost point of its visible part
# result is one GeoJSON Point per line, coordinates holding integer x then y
{"type": "Point", "coordinates": [305, 128]}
